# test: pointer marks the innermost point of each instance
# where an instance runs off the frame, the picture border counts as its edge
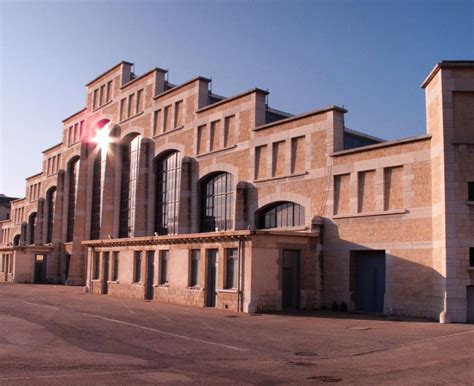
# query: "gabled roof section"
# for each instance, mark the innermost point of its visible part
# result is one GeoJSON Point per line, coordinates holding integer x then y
{"type": "Point", "coordinates": [108, 71]}
{"type": "Point", "coordinates": [446, 64]}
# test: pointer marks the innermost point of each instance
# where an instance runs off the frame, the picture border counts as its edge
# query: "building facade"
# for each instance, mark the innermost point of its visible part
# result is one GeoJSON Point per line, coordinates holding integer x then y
{"type": "Point", "coordinates": [172, 193]}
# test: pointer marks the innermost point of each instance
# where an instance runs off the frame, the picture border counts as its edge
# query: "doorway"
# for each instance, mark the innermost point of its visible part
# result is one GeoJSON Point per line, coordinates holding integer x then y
{"type": "Point", "coordinates": [40, 269]}
{"type": "Point", "coordinates": [105, 280]}
{"type": "Point", "coordinates": [211, 277]}
{"type": "Point", "coordinates": [150, 274]}
{"type": "Point", "coordinates": [291, 279]}
{"type": "Point", "coordinates": [67, 263]}
{"type": "Point", "coordinates": [369, 280]}
{"type": "Point", "coordinates": [470, 303]}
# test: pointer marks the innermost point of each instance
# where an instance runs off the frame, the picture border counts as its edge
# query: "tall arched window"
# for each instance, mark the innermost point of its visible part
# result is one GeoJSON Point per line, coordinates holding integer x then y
{"type": "Point", "coordinates": [168, 176]}
{"type": "Point", "coordinates": [73, 172]}
{"type": "Point", "coordinates": [280, 215]}
{"type": "Point", "coordinates": [51, 203]}
{"type": "Point", "coordinates": [128, 189]}
{"type": "Point", "coordinates": [97, 190]}
{"type": "Point", "coordinates": [16, 240]}
{"type": "Point", "coordinates": [216, 203]}
{"type": "Point", "coordinates": [32, 228]}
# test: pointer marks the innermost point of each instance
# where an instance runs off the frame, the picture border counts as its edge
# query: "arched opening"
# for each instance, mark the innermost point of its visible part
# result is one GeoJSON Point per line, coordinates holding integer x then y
{"type": "Point", "coordinates": [216, 202]}
{"type": "Point", "coordinates": [31, 228]}
{"type": "Point", "coordinates": [73, 173]}
{"type": "Point", "coordinates": [167, 169]}
{"type": "Point", "coordinates": [16, 240]}
{"type": "Point", "coordinates": [281, 214]}
{"type": "Point", "coordinates": [128, 189]}
{"type": "Point", "coordinates": [51, 204]}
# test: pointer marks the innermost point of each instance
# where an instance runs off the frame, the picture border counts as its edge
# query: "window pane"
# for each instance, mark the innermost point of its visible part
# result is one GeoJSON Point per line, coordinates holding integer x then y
{"type": "Point", "coordinates": [286, 214]}
{"type": "Point", "coordinates": [216, 203]}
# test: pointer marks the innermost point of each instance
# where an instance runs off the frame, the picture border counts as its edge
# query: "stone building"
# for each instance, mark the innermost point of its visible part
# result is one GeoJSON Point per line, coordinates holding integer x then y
{"type": "Point", "coordinates": [173, 193]}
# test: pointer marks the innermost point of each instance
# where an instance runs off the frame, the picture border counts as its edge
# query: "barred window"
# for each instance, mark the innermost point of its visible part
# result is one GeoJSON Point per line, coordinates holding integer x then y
{"type": "Point", "coordinates": [168, 176]}
{"type": "Point", "coordinates": [232, 258]}
{"type": "Point", "coordinates": [216, 203]}
{"type": "Point", "coordinates": [282, 214]}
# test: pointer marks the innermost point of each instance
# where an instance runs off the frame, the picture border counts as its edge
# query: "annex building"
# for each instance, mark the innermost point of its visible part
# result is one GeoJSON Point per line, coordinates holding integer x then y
{"type": "Point", "coordinates": [173, 193]}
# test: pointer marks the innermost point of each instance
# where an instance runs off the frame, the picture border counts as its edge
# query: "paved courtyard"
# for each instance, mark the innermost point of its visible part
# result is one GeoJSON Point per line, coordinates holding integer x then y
{"type": "Point", "coordinates": [59, 335]}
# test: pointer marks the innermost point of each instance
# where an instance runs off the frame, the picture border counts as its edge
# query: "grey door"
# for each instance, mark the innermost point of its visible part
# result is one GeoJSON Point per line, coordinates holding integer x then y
{"type": "Point", "coordinates": [40, 268]}
{"type": "Point", "coordinates": [211, 277]}
{"type": "Point", "coordinates": [470, 304]}
{"type": "Point", "coordinates": [370, 281]}
{"type": "Point", "coordinates": [105, 284]}
{"type": "Point", "coordinates": [291, 279]}
{"type": "Point", "coordinates": [150, 274]}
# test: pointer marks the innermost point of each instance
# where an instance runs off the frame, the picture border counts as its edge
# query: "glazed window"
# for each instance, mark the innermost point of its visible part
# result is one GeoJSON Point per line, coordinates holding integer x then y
{"type": "Point", "coordinates": [96, 266]}
{"type": "Point", "coordinates": [216, 203]}
{"type": "Point", "coordinates": [137, 267]}
{"type": "Point", "coordinates": [51, 202]}
{"type": "Point", "coordinates": [231, 268]}
{"type": "Point", "coordinates": [194, 266]}
{"type": "Point", "coordinates": [168, 176]}
{"type": "Point", "coordinates": [32, 228]}
{"type": "Point", "coordinates": [73, 172]}
{"type": "Point", "coordinates": [115, 265]}
{"type": "Point", "coordinates": [128, 191]}
{"type": "Point", "coordinates": [164, 256]}
{"type": "Point", "coordinates": [280, 215]}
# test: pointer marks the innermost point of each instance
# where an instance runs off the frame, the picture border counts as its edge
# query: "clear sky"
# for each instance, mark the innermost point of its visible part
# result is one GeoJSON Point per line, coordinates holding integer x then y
{"type": "Point", "coordinates": [368, 56]}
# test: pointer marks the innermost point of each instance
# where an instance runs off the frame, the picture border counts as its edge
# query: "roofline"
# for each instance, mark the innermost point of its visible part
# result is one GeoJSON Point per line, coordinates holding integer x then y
{"type": "Point", "coordinates": [52, 147]}
{"type": "Point", "coordinates": [33, 176]}
{"type": "Point", "coordinates": [182, 85]}
{"type": "Point", "coordinates": [18, 199]}
{"type": "Point", "coordinates": [256, 89]}
{"type": "Point", "coordinates": [156, 69]}
{"type": "Point", "coordinates": [109, 70]}
{"type": "Point", "coordinates": [446, 64]}
{"type": "Point", "coordinates": [73, 115]}
{"type": "Point", "coordinates": [361, 134]}
{"type": "Point", "coordinates": [381, 145]}
{"type": "Point", "coordinates": [301, 116]}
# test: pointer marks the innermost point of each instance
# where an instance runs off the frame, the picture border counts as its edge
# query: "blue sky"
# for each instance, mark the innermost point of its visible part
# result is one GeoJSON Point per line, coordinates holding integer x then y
{"type": "Point", "coordinates": [369, 56]}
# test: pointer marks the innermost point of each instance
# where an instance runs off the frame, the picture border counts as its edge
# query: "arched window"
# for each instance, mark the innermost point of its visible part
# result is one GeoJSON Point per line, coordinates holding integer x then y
{"type": "Point", "coordinates": [73, 172]}
{"type": "Point", "coordinates": [51, 203]}
{"type": "Point", "coordinates": [280, 215]}
{"type": "Point", "coordinates": [97, 190]}
{"type": "Point", "coordinates": [168, 176]}
{"type": "Point", "coordinates": [16, 240]}
{"type": "Point", "coordinates": [128, 189]}
{"type": "Point", "coordinates": [32, 228]}
{"type": "Point", "coordinates": [216, 203]}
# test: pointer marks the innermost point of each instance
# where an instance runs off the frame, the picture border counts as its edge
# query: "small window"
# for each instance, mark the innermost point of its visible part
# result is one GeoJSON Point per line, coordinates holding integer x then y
{"type": "Point", "coordinates": [139, 101]}
{"type": "Point", "coordinates": [115, 265]}
{"type": "Point", "coordinates": [109, 91]}
{"type": "Point", "coordinates": [166, 118]}
{"type": "Point", "coordinates": [156, 122]}
{"type": "Point", "coordinates": [137, 267]}
{"type": "Point", "coordinates": [470, 189]}
{"type": "Point", "coordinates": [164, 267]}
{"type": "Point", "coordinates": [131, 102]}
{"type": "Point", "coordinates": [194, 274]}
{"type": "Point", "coordinates": [94, 101]}
{"type": "Point", "coordinates": [471, 257]}
{"type": "Point", "coordinates": [232, 258]}
{"type": "Point", "coordinates": [122, 108]}
{"type": "Point", "coordinates": [96, 266]}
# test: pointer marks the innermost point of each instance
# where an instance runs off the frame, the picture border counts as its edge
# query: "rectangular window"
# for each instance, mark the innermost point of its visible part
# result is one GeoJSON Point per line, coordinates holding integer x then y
{"type": "Point", "coordinates": [76, 132]}
{"type": "Point", "coordinates": [139, 101]}
{"type": "Point", "coordinates": [156, 122]}
{"type": "Point", "coordinates": [471, 257]}
{"type": "Point", "coordinates": [94, 99]}
{"type": "Point", "coordinates": [470, 193]}
{"type": "Point", "coordinates": [201, 139]}
{"type": "Point", "coordinates": [109, 91]}
{"type": "Point", "coordinates": [214, 136]}
{"type": "Point", "coordinates": [96, 266]}
{"type": "Point", "coordinates": [102, 94]}
{"type": "Point", "coordinates": [115, 265]}
{"type": "Point", "coordinates": [131, 100]}
{"type": "Point", "coordinates": [137, 266]}
{"type": "Point", "coordinates": [229, 123]}
{"type": "Point", "coordinates": [178, 121]}
{"type": "Point", "coordinates": [81, 129]}
{"type": "Point", "coordinates": [164, 267]}
{"type": "Point", "coordinates": [166, 118]}
{"type": "Point", "coordinates": [122, 108]}
{"type": "Point", "coordinates": [194, 266]}
{"type": "Point", "coordinates": [232, 258]}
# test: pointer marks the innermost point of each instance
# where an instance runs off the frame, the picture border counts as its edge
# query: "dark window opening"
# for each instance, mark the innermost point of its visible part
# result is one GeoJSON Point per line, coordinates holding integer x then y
{"type": "Point", "coordinates": [232, 259]}
{"type": "Point", "coordinates": [471, 257]}
{"type": "Point", "coordinates": [470, 193]}
{"type": "Point", "coordinates": [137, 267]}
{"type": "Point", "coordinates": [164, 267]}
{"type": "Point", "coordinates": [71, 211]}
{"type": "Point", "coordinates": [51, 202]}
{"type": "Point", "coordinates": [193, 277]}
{"type": "Point", "coordinates": [216, 203]}
{"type": "Point", "coordinates": [280, 215]}
{"type": "Point", "coordinates": [96, 266]}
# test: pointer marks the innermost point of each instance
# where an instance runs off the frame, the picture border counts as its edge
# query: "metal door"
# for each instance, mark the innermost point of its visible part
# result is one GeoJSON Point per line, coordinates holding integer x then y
{"type": "Point", "coordinates": [40, 268]}
{"type": "Point", "coordinates": [291, 279]}
{"type": "Point", "coordinates": [370, 281]}
{"type": "Point", "coordinates": [105, 284]}
{"type": "Point", "coordinates": [211, 277]}
{"type": "Point", "coordinates": [150, 272]}
{"type": "Point", "coordinates": [470, 304]}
